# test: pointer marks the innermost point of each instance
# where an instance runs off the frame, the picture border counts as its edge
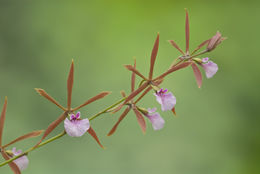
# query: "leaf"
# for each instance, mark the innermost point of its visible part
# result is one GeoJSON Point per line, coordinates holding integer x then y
{"type": "Point", "coordinates": [12, 165]}
{"type": "Point", "coordinates": [133, 78]}
{"type": "Point", "coordinates": [48, 97]}
{"type": "Point", "coordinates": [29, 135]}
{"type": "Point", "coordinates": [200, 46]}
{"type": "Point", "coordinates": [70, 84]}
{"type": "Point", "coordinates": [97, 97]}
{"type": "Point", "coordinates": [197, 74]}
{"type": "Point", "coordinates": [131, 96]}
{"type": "Point", "coordinates": [94, 135]}
{"type": "Point", "coordinates": [153, 56]}
{"type": "Point", "coordinates": [131, 68]}
{"type": "Point", "coordinates": [122, 116]}
{"type": "Point", "coordinates": [187, 32]}
{"type": "Point", "coordinates": [52, 126]}
{"type": "Point", "coordinates": [2, 120]}
{"type": "Point", "coordinates": [176, 46]}
{"type": "Point", "coordinates": [140, 120]}
{"type": "Point", "coordinates": [172, 69]}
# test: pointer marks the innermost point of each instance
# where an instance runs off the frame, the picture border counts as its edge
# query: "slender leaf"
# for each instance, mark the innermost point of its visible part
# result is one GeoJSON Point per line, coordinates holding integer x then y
{"type": "Point", "coordinates": [97, 97]}
{"type": "Point", "coordinates": [153, 56]}
{"type": "Point", "coordinates": [2, 120]}
{"type": "Point", "coordinates": [140, 119]}
{"type": "Point", "coordinates": [52, 126]}
{"type": "Point", "coordinates": [29, 135]}
{"type": "Point", "coordinates": [48, 97]}
{"type": "Point", "coordinates": [94, 135]}
{"type": "Point", "coordinates": [70, 84]}
{"type": "Point", "coordinates": [197, 74]}
{"type": "Point", "coordinates": [12, 165]}
{"type": "Point", "coordinates": [112, 131]}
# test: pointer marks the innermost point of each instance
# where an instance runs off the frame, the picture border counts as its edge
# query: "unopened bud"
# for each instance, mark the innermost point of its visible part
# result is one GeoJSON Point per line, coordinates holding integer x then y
{"type": "Point", "coordinates": [215, 41]}
{"type": "Point", "coordinates": [142, 110]}
{"type": "Point", "coordinates": [197, 60]}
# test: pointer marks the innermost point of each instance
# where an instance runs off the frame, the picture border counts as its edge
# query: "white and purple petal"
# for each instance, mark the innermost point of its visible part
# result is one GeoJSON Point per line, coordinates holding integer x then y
{"type": "Point", "coordinates": [166, 100]}
{"type": "Point", "coordinates": [22, 162]}
{"type": "Point", "coordinates": [210, 68]}
{"type": "Point", "coordinates": [76, 128]}
{"type": "Point", "coordinates": [155, 118]}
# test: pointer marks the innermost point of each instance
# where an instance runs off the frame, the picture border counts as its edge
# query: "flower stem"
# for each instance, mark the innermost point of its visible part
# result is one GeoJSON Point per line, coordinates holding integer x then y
{"type": "Point", "coordinates": [59, 135]}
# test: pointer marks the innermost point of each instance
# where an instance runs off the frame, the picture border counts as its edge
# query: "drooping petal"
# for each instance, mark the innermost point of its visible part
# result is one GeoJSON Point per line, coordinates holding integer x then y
{"type": "Point", "coordinates": [94, 135]}
{"type": "Point", "coordinates": [76, 128]}
{"type": "Point", "coordinates": [210, 68]}
{"type": "Point", "coordinates": [197, 74]}
{"type": "Point", "coordinates": [21, 162]}
{"type": "Point", "coordinates": [12, 165]}
{"type": "Point", "coordinates": [166, 100]}
{"type": "Point", "coordinates": [155, 118]}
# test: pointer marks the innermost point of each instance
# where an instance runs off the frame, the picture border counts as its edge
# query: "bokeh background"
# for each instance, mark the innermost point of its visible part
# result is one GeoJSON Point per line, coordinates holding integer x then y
{"type": "Point", "coordinates": [217, 128]}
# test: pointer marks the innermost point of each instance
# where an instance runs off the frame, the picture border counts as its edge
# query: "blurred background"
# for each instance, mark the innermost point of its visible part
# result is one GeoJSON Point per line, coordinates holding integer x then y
{"type": "Point", "coordinates": [217, 128]}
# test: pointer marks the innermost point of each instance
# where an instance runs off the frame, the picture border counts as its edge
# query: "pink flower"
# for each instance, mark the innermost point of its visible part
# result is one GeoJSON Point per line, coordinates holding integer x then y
{"type": "Point", "coordinates": [155, 118]}
{"type": "Point", "coordinates": [22, 162]}
{"type": "Point", "coordinates": [167, 100]}
{"type": "Point", "coordinates": [76, 127]}
{"type": "Point", "coordinates": [210, 67]}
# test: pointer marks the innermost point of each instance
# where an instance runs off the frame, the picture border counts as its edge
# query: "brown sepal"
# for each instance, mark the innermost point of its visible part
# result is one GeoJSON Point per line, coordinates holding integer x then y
{"type": "Point", "coordinates": [52, 126]}
{"type": "Point", "coordinates": [176, 46]}
{"type": "Point", "coordinates": [197, 74]}
{"type": "Point", "coordinates": [112, 131]}
{"type": "Point", "coordinates": [140, 119]}
{"type": "Point", "coordinates": [12, 165]}
{"type": "Point", "coordinates": [97, 97]}
{"type": "Point", "coordinates": [131, 68]}
{"type": "Point", "coordinates": [2, 120]}
{"type": "Point", "coordinates": [153, 56]}
{"type": "Point", "coordinates": [48, 97]}
{"type": "Point", "coordinates": [70, 84]}
{"type": "Point", "coordinates": [200, 46]}
{"type": "Point", "coordinates": [133, 78]}
{"type": "Point", "coordinates": [123, 94]}
{"type": "Point", "coordinates": [29, 135]}
{"type": "Point", "coordinates": [187, 32]}
{"type": "Point", "coordinates": [173, 111]}
{"type": "Point", "coordinates": [94, 135]}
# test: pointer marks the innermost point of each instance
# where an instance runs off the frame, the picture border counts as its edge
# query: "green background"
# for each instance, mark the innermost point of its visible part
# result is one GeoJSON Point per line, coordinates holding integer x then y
{"type": "Point", "coordinates": [217, 128]}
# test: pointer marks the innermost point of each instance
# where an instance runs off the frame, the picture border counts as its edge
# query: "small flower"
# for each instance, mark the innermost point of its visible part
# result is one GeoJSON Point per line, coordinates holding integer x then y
{"type": "Point", "coordinates": [155, 118]}
{"type": "Point", "coordinates": [21, 162]}
{"type": "Point", "coordinates": [210, 67]}
{"type": "Point", "coordinates": [167, 100]}
{"type": "Point", "coordinates": [76, 127]}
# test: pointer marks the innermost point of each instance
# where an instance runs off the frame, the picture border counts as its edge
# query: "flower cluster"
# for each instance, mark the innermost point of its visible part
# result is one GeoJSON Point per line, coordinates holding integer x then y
{"type": "Point", "coordinates": [75, 126]}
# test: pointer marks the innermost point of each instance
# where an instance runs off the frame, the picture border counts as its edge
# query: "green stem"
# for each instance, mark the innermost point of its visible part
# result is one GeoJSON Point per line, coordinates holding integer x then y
{"type": "Point", "coordinates": [59, 135]}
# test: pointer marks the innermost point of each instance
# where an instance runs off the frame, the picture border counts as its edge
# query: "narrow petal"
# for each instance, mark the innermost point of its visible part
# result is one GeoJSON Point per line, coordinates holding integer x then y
{"type": "Point", "coordinates": [112, 131]}
{"type": "Point", "coordinates": [131, 96]}
{"type": "Point", "coordinates": [52, 126]}
{"type": "Point", "coordinates": [131, 68]}
{"type": "Point", "coordinates": [200, 46]}
{"type": "Point", "coordinates": [133, 78]}
{"type": "Point", "coordinates": [29, 135]}
{"type": "Point", "coordinates": [140, 120]}
{"type": "Point", "coordinates": [70, 84]}
{"type": "Point", "coordinates": [2, 120]}
{"type": "Point", "coordinates": [174, 111]}
{"type": "Point", "coordinates": [97, 97]}
{"type": "Point", "coordinates": [48, 97]}
{"type": "Point", "coordinates": [12, 165]}
{"type": "Point", "coordinates": [187, 32]}
{"type": "Point", "coordinates": [94, 135]}
{"type": "Point", "coordinates": [172, 69]}
{"type": "Point", "coordinates": [21, 162]}
{"type": "Point", "coordinates": [123, 93]}
{"type": "Point", "coordinates": [176, 46]}
{"type": "Point", "coordinates": [76, 128]}
{"type": "Point", "coordinates": [210, 68]}
{"type": "Point", "coordinates": [197, 74]}
{"type": "Point", "coordinates": [153, 56]}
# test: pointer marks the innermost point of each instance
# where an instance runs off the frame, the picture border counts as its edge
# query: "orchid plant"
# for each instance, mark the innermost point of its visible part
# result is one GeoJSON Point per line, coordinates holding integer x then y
{"type": "Point", "coordinates": [75, 126]}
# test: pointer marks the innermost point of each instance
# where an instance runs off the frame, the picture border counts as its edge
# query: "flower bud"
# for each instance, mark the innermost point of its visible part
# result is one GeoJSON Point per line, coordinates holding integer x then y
{"type": "Point", "coordinates": [215, 41]}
